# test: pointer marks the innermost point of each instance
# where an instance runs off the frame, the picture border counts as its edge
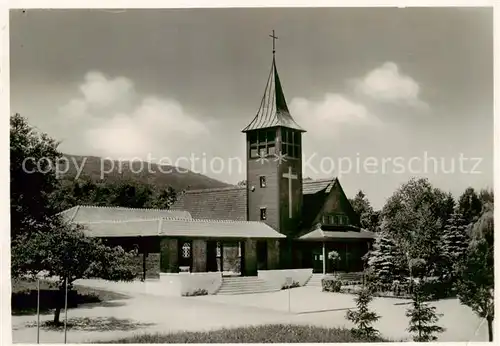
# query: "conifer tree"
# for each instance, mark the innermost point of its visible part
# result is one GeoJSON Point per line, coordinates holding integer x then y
{"type": "Point", "coordinates": [362, 317]}
{"type": "Point", "coordinates": [383, 260]}
{"type": "Point", "coordinates": [455, 241]}
{"type": "Point", "coordinates": [423, 317]}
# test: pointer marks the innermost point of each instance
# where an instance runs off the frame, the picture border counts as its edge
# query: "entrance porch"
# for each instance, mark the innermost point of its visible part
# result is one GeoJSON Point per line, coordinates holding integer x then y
{"type": "Point", "coordinates": [311, 250]}
{"type": "Point", "coordinates": [229, 256]}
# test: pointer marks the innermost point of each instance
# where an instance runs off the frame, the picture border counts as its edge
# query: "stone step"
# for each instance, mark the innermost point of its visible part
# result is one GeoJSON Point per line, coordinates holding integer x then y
{"type": "Point", "coordinates": [243, 285]}
{"type": "Point", "coordinates": [253, 283]}
{"type": "Point", "coordinates": [247, 292]}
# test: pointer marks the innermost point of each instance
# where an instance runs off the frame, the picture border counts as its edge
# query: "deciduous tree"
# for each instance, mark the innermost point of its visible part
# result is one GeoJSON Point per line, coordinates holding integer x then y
{"type": "Point", "coordinates": [476, 282]}
{"type": "Point", "coordinates": [66, 253]}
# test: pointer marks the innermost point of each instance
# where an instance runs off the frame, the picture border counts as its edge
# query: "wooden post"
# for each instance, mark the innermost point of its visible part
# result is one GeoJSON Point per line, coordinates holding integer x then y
{"type": "Point", "coordinates": [324, 259]}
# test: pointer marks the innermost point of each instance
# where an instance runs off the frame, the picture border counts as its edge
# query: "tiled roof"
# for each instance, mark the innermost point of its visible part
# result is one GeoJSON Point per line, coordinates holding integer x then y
{"type": "Point", "coordinates": [230, 203]}
{"type": "Point", "coordinates": [83, 213]}
{"type": "Point", "coordinates": [219, 204]}
{"type": "Point", "coordinates": [273, 110]}
{"type": "Point", "coordinates": [181, 228]}
{"type": "Point", "coordinates": [319, 234]}
{"type": "Point", "coordinates": [313, 186]}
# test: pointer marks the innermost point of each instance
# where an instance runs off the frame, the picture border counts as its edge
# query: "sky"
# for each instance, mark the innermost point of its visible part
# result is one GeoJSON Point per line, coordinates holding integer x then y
{"type": "Point", "coordinates": [385, 94]}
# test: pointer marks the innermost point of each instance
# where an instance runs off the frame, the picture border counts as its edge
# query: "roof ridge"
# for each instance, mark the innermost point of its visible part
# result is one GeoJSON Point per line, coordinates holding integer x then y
{"type": "Point", "coordinates": [170, 219]}
{"type": "Point", "coordinates": [119, 207]}
{"type": "Point", "coordinates": [120, 221]}
{"type": "Point", "coordinates": [210, 220]}
{"type": "Point", "coordinates": [318, 180]}
{"type": "Point", "coordinates": [214, 189]}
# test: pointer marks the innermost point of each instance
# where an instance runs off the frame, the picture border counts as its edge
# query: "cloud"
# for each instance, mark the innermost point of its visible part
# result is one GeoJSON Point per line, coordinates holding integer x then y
{"type": "Point", "coordinates": [330, 112]}
{"type": "Point", "coordinates": [116, 121]}
{"type": "Point", "coordinates": [387, 84]}
{"type": "Point", "coordinates": [100, 91]}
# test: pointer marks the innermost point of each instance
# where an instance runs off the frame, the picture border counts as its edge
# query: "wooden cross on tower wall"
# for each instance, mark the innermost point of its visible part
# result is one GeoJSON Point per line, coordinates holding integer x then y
{"type": "Point", "coordinates": [290, 177]}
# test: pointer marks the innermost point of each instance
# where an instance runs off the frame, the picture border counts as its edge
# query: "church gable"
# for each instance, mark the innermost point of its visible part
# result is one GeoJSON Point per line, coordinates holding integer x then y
{"type": "Point", "coordinates": [336, 209]}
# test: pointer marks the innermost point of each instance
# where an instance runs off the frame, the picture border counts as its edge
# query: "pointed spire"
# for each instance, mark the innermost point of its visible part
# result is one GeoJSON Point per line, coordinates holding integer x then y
{"type": "Point", "coordinates": [273, 110]}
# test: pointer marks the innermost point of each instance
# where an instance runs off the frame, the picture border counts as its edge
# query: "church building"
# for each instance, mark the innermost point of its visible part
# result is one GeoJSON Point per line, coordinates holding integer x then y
{"type": "Point", "coordinates": [277, 220]}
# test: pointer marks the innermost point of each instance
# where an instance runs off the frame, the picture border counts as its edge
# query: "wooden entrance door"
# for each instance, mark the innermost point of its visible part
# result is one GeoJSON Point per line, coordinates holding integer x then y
{"type": "Point", "coordinates": [317, 261]}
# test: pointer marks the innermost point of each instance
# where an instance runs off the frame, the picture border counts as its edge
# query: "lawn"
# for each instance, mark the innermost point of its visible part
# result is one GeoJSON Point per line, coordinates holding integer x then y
{"type": "Point", "coordinates": [24, 296]}
{"type": "Point", "coordinates": [272, 333]}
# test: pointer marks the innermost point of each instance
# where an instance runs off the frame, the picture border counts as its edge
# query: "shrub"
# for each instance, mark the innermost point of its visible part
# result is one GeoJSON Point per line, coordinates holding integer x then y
{"type": "Point", "coordinates": [434, 288]}
{"type": "Point", "coordinates": [292, 285]}
{"type": "Point", "coordinates": [196, 292]}
{"type": "Point", "coordinates": [331, 284]}
{"type": "Point", "coordinates": [363, 318]}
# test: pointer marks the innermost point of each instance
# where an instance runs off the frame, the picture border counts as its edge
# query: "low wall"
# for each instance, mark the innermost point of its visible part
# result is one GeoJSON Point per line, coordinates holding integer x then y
{"type": "Point", "coordinates": [188, 283]}
{"type": "Point", "coordinates": [278, 277]}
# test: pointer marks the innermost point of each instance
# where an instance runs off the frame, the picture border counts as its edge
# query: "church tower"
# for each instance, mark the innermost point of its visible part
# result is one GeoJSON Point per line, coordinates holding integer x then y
{"type": "Point", "coordinates": [274, 161]}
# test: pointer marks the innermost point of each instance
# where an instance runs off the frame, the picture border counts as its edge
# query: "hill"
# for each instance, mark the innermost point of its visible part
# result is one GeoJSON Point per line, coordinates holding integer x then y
{"type": "Point", "coordinates": [157, 175]}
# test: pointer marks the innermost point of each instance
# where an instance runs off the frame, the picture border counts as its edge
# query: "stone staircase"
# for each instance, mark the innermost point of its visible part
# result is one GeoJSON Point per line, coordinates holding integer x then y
{"type": "Point", "coordinates": [315, 280]}
{"type": "Point", "coordinates": [245, 284]}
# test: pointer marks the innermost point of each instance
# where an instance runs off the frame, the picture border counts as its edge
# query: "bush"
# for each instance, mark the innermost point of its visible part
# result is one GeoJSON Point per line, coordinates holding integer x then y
{"type": "Point", "coordinates": [331, 284]}
{"type": "Point", "coordinates": [280, 333]}
{"type": "Point", "coordinates": [434, 288]}
{"type": "Point", "coordinates": [24, 297]}
{"type": "Point", "coordinates": [292, 285]}
{"type": "Point", "coordinates": [196, 292]}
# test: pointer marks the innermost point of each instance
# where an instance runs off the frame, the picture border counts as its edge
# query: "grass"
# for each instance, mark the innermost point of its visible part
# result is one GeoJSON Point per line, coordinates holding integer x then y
{"type": "Point", "coordinates": [24, 297]}
{"type": "Point", "coordinates": [272, 333]}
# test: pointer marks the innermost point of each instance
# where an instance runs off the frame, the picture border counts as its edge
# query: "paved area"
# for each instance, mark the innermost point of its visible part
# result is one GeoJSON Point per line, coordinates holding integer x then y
{"type": "Point", "coordinates": [145, 313]}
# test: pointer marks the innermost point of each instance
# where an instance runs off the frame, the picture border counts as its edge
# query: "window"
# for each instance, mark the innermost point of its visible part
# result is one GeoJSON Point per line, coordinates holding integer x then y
{"type": "Point", "coordinates": [186, 250]}
{"type": "Point", "coordinates": [262, 181]}
{"type": "Point", "coordinates": [290, 143]}
{"type": "Point", "coordinates": [341, 220]}
{"type": "Point", "coordinates": [263, 213]}
{"type": "Point", "coordinates": [261, 142]}
{"type": "Point", "coordinates": [332, 219]}
{"type": "Point", "coordinates": [346, 220]}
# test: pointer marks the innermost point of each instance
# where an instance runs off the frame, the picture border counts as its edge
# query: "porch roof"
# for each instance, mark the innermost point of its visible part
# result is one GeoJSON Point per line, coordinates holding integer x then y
{"type": "Point", "coordinates": [319, 234]}
{"type": "Point", "coordinates": [176, 227]}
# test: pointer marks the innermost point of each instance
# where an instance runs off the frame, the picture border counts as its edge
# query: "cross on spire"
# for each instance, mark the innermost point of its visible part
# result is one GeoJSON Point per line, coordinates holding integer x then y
{"type": "Point", "coordinates": [274, 37]}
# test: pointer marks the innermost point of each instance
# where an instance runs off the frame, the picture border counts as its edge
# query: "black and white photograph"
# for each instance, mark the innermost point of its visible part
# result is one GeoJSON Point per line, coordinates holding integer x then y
{"type": "Point", "coordinates": [251, 175]}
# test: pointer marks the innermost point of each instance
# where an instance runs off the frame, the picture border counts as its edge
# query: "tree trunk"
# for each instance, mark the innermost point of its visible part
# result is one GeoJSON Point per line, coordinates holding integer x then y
{"type": "Point", "coordinates": [59, 304]}
{"type": "Point", "coordinates": [57, 313]}
{"type": "Point", "coordinates": [489, 319]}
